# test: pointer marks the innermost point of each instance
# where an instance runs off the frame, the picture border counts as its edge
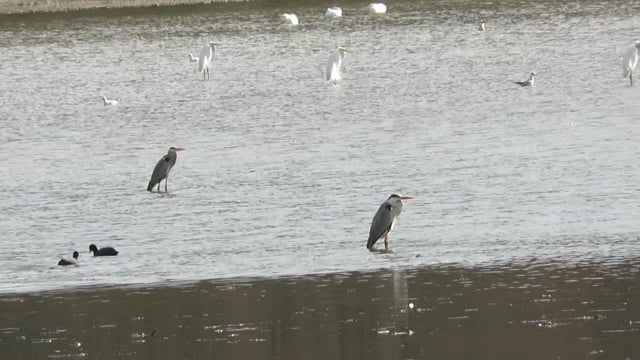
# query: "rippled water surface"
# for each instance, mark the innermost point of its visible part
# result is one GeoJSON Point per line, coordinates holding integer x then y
{"type": "Point", "coordinates": [284, 172]}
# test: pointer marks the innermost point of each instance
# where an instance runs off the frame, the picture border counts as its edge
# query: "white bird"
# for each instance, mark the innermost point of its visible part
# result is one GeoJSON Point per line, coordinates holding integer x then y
{"type": "Point", "coordinates": [333, 12]}
{"type": "Point", "coordinates": [630, 60]}
{"type": "Point", "coordinates": [482, 27]}
{"type": "Point", "coordinates": [385, 219]}
{"type": "Point", "coordinates": [377, 8]}
{"type": "Point", "coordinates": [332, 72]}
{"type": "Point", "coordinates": [290, 19]}
{"type": "Point", "coordinates": [204, 60]}
{"type": "Point", "coordinates": [192, 58]}
{"type": "Point", "coordinates": [108, 102]}
{"type": "Point", "coordinates": [530, 81]}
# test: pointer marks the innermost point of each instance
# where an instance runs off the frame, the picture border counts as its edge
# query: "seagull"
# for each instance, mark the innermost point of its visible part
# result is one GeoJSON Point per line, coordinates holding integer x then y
{"type": "Point", "coordinates": [482, 27]}
{"type": "Point", "coordinates": [377, 8]}
{"type": "Point", "coordinates": [192, 59]}
{"type": "Point", "coordinates": [530, 81]}
{"type": "Point", "coordinates": [108, 102]}
{"type": "Point", "coordinates": [333, 12]}
{"type": "Point", "coordinates": [290, 19]}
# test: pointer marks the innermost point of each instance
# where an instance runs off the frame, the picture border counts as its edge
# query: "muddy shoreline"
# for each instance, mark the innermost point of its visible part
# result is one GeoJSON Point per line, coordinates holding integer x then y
{"type": "Point", "coordinates": [52, 6]}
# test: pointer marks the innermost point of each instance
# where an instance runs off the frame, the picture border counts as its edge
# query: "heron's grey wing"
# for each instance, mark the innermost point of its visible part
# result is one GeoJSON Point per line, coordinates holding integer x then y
{"type": "Point", "coordinates": [159, 172]}
{"type": "Point", "coordinates": [380, 224]}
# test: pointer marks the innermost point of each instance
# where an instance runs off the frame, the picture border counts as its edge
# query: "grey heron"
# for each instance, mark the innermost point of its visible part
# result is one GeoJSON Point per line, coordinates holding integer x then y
{"type": "Point", "coordinates": [385, 218]}
{"type": "Point", "coordinates": [530, 81]}
{"type": "Point", "coordinates": [162, 169]}
{"type": "Point", "coordinates": [630, 60]}
{"type": "Point", "coordinates": [67, 262]}
{"type": "Point", "coordinates": [334, 63]}
{"type": "Point", "coordinates": [105, 251]}
{"type": "Point", "coordinates": [204, 60]}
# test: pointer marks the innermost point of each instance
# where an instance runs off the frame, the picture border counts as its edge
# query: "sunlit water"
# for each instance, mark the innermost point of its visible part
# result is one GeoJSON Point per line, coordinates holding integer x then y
{"type": "Point", "coordinates": [284, 171]}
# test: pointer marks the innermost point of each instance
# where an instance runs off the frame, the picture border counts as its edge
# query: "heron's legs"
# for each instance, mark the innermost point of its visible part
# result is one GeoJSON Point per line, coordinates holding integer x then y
{"type": "Point", "coordinates": [631, 77]}
{"type": "Point", "coordinates": [386, 241]}
{"type": "Point", "coordinates": [159, 187]}
{"type": "Point", "coordinates": [166, 184]}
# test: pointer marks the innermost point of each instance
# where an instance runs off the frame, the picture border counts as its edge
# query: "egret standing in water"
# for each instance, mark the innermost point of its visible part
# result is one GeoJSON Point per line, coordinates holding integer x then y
{"type": "Point", "coordinates": [530, 81]}
{"type": "Point", "coordinates": [332, 73]}
{"type": "Point", "coordinates": [162, 169]}
{"type": "Point", "coordinates": [204, 60]}
{"type": "Point", "coordinates": [385, 219]}
{"type": "Point", "coordinates": [629, 61]}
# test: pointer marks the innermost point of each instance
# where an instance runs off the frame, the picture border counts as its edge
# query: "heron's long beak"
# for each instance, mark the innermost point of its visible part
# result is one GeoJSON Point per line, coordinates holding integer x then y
{"type": "Point", "coordinates": [180, 149]}
{"type": "Point", "coordinates": [406, 197]}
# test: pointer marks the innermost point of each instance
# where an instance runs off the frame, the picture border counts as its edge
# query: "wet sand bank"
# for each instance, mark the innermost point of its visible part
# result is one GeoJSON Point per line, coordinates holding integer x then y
{"type": "Point", "coordinates": [48, 6]}
{"type": "Point", "coordinates": [523, 312]}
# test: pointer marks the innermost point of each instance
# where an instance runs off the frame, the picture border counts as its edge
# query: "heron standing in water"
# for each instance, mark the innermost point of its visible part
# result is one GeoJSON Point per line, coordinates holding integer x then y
{"type": "Point", "coordinates": [205, 58]}
{"type": "Point", "coordinates": [384, 219]}
{"type": "Point", "coordinates": [162, 169]}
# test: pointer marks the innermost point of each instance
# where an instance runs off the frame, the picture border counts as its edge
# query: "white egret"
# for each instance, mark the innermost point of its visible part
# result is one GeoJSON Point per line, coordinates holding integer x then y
{"type": "Point", "coordinates": [204, 60]}
{"type": "Point", "coordinates": [333, 12]}
{"type": "Point", "coordinates": [630, 60]}
{"type": "Point", "coordinates": [192, 58]}
{"type": "Point", "coordinates": [530, 81]}
{"type": "Point", "coordinates": [290, 19]}
{"type": "Point", "coordinates": [385, 219]}
{"type": "Point", "coordinates": [377, 8]}
{"type": "Point", "coordinates": [482, 27]}
{"type": "Point", "coordinates": [332, 72]}
{"type": "Point", "coordinates": [108, 102]}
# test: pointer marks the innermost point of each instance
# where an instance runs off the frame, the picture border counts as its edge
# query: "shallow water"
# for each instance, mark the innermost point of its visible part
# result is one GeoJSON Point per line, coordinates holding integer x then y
{"type": "Point", "coordinates": [284, 172]}
{"type": "Point", "coordinates": [528, 311]}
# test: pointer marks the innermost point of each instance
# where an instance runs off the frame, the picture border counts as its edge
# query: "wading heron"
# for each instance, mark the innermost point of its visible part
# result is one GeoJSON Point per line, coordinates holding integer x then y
{"type": "Point", "coordinates": [384, 219]}
{"type": "Point", "coordinates": [162, 169]}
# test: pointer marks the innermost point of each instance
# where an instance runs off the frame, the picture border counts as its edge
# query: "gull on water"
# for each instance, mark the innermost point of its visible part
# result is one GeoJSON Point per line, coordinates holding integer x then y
{"type": "Point", "coordinates": [482, 27]}
{"type": "Point", "coordinates": [290, 19]}
{"type": "Point", "coordinates": [333, 12]}
{"type": "Point", "coordinates": [530, 81]}
{"type": "Point", "coordinates": [377, 8]}
{"type": "Point", "coordinates": [108, 102]}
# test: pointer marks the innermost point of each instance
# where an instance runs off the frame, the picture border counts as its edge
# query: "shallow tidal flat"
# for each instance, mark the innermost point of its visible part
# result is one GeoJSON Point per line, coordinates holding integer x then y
{"type": "Point", "coordinates": [536, 311]}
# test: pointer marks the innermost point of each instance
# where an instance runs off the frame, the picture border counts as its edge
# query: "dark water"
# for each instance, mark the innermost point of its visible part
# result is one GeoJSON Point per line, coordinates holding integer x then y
{"type": "Point", "coordinates": [588, 311]}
